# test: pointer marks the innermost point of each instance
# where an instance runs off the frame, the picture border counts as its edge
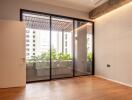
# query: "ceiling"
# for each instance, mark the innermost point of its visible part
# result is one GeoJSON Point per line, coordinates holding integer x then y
{"type": "Point", "coordinates": [80, 5]}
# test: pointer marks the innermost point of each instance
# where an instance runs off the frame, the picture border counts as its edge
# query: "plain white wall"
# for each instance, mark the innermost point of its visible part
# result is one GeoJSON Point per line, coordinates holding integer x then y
{"type": "Point", "coordinates": [113, 45]}
{"type": "Point", "coordinates": [10, 9]}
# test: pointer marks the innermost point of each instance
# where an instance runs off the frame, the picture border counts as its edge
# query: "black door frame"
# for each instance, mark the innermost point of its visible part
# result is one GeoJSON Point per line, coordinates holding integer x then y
{"type": "Point", "coordinates": [74, 19]}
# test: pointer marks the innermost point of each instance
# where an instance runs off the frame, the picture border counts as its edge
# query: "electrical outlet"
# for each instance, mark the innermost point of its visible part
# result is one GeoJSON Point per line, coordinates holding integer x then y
{"type": "Point", "coordinates": [108, 65]}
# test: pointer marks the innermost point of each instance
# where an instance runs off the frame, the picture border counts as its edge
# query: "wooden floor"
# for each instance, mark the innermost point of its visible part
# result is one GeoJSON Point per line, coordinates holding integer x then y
{"type": "Point", "coordinates": [79, 88]}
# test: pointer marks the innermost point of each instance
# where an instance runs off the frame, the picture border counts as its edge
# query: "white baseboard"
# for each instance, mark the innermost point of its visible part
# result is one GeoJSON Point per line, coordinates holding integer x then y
{"type": "Point", "coordinates": [122, 83]}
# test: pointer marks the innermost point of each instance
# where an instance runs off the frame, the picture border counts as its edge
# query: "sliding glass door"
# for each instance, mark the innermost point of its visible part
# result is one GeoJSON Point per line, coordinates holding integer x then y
{"type": "Point", "coordinates": [62, 47]}
{"type": "Point", "coordinates": [37, 46]}
{"type": "Point", "coordinates": [57, 46]}
{"type": "Point", "coordinates": [83, 48]}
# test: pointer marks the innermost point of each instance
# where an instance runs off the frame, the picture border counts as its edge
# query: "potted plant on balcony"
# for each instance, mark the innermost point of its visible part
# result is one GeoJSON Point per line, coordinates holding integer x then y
{"type": "Point", "coordinates": [60, 61]}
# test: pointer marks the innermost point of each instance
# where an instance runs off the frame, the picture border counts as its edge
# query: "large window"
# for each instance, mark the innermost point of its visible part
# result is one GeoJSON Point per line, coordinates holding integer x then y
{"type": "Point", "coordinates": [61, 47]}
{"type": "Point", "coordinates": [56, 46]}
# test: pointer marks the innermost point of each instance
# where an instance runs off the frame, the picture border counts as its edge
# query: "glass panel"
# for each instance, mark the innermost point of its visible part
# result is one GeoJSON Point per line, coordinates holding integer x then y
{"type": "Point", "coordinates": [37, 46]}
{"type": "Point", "coordinates": [83, 48]}
{"type": "Point", "coordinates": [89, 47]}
{"type": "Point", "coordinates": [62, 40]}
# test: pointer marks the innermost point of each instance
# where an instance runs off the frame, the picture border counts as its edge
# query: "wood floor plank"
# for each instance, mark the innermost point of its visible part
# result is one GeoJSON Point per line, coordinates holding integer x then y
{"type": "Point", "coordinates": [78, 88]}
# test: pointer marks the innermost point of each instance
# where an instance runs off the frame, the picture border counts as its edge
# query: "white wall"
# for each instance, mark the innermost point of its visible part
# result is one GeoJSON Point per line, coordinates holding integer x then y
{"type": "Point", "coordinates": [113, 45]}
{"type": "Point", "coordinates": [10, 9]}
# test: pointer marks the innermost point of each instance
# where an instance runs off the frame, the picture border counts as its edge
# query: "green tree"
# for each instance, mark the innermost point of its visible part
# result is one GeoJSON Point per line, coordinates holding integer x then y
{"type": "Point", "coordinates": [54, 56]}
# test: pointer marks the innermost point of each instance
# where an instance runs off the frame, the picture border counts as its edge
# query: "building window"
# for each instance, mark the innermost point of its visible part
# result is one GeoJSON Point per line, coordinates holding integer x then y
{"type": "Point", "coordinates": [66, 36]}
{"type": "Point", "coordinates": [33, 36]}
{"type": "Point", "coordinates": [27, 40]}
{"type": "Point", "coordinates": [33, 40]}
{"type": "Point", "coordinates": [33, 53]}
{"type": "Point", "coordinates": [27, 49]}
{"type": "Point", "coordinates": [27, 44]}
{"type": "Point", "coordinates": [33, 32]}
{"type": "Point", "coordinates": [27, 36]}
{"type": "Point", "coordinates": [33, 44]}
{"type": "Point", "coordinates": [27, 54]}
{"type": "Point", "coordinates": [66, 43]}
{"type": "Point", "coordinates": [33, 49]}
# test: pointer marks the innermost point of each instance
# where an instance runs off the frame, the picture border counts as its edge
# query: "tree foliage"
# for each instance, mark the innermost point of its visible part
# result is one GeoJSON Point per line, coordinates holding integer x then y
{"type": "Point", "coordinates": [54, 56]}
{"type": "Point", "coordinates": [89, 56]}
